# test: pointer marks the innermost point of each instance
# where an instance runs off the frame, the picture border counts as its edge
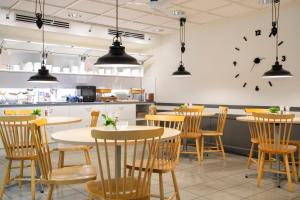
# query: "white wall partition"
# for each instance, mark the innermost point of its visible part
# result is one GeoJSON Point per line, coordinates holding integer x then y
{"type": "Point", "coordinates": [209, 57]}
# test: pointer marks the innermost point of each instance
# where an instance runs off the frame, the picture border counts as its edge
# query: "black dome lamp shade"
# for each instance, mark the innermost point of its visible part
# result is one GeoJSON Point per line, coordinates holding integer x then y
{"type": "Point", "coordinates": [117, 57]}
{"type": "Point", "coordinates": [181, 72]}
{"type": "Point", "coordinates": [277, 70]}
{"type": "Point", "coordinates": [43, 75]}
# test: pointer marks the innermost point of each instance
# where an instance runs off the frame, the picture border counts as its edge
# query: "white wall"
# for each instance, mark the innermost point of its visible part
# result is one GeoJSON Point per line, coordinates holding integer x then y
{"type": "Point", "coordinates": [209, 56]}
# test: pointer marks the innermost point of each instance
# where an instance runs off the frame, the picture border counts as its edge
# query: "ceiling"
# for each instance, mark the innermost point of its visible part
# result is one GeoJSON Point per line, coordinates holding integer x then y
{"type": "Point", "coordinates": [138, 14]}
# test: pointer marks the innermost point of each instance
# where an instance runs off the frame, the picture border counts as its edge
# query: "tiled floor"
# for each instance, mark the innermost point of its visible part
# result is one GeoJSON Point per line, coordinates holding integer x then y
{"type": "Point", "coordinates": [213, 179]}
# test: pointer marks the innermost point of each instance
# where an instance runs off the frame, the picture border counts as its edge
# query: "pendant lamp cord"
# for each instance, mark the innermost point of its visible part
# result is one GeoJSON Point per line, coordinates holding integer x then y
{"type": "Point", "coordinates": [38, 2]}
{"type": "Point", "coordinates": [182, 38]}
{"type": "Point", "coordinates": [43, 30]}
{"type": "Point", "coordinates": [117, 38]}
{"type": "Point", "coordinates": [275, 18]}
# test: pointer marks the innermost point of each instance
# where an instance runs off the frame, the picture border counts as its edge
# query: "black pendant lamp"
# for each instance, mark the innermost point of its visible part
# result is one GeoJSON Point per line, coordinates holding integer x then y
{"type": "Point", "coordinates": [43, 75]}
{"type": "Point", "coordinates": [277, 70]}
{"type": "Point", "coordinates": [181, 72]}
{"type": "Point", "coordinates": [117, 57]}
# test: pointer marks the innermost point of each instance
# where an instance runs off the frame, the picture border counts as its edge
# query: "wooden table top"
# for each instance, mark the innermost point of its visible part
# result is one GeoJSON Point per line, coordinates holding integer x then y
{"type": "Point", "coordinates": [82, 136]}
{"type": "Point", "coordinates": [59, 120]}
{"type": "Point", "coordinates": [248, 118]}
{"type": "Point", "coordinates": [204, 114]}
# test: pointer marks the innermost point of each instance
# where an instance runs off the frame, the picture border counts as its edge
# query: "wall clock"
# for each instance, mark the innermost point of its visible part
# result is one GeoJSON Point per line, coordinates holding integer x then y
{"type": "Point", "coordinates": [255, 61]}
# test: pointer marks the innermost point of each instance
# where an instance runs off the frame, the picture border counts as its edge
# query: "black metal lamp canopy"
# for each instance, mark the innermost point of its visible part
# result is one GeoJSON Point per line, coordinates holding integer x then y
{"type": "Point", "coordinates": [43, 75]}
{"type": "Point", "coordinates": [277, 70]}
{"type": "Point", "coordinates": [117, 57]}
{"type": "Point", "coordinates": [181, 72]}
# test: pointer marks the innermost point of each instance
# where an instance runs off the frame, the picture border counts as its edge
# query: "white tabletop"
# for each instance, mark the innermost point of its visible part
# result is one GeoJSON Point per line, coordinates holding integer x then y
{"type": "Point", "coordinates": [59, 120]}
{"type": "Point", "coordinates": [249, 118]}
{"type": "Point", "coordinates": [204, 114]}
{"type": "Point", "coordinates": [82, 136]}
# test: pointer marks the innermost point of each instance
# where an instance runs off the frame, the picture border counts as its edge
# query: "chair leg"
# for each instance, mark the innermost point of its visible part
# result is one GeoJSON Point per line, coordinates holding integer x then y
{"type": "Point", "coordinates": [21, 172]}
{"type": "Point", "coordinates": [175, 185]}
{"type": "Point", "coordinates": [294, 169]}
{"type": "Point", "coordinates": [299, 160]}
{"type": "Point", "coordinates": [33, 179]}
{"type": "Point", "coordinates": [202, 147]}
{"type": "Point", "coordinates": [49, 195]}
{"type": "Point", "coordinates": [258, 160]}
{"type": "Point", "coordinates": [161, 187]}
{"type": "Point", "coordinates": [87, 157]}
{"type": "Point", "coordinates": [288, 172]}
{"type": "Point", "coordinates": [61, 157]}
{"type": "Point", "coordinates": [198, 149]}
{"type": "Point", "coordinates": [5, 180]}
{"type": "Point", "coordinates": [178, 151]}
{"type": "Point", "coordinates": [250, 155]}
{"type": "Point", "coordinates": [217, 143]}
{"type": "Point", "coordinates": [261, 168]}
{"type": "Point", "coordinates": [222, 148]}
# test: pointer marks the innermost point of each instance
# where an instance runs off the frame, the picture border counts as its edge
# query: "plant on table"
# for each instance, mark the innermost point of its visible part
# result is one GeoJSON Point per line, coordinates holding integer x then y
{"type": "Point", "coordinates": [274, 109]}
{"type": "Point", "coordinates": [110, 121]}
{"type": "Point", "coordinates": [37, 112]}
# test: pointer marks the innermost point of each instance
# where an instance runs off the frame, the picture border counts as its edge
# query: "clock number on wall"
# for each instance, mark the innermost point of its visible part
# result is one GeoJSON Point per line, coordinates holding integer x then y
{"type": "Point", "coordinates": [280, 43]}
{"type": "Point", "coordinates": [257, 32]}
{"type": "Point", "coordinates": [234, 63]}
{"type": "Point", "coordinates": [270, 84]}
{"type": "Point", "coordinates": [244, 85]}
{"type": "Point", "coordinates": [236, 75]}
{"type": "Point", "coordinates": [283, 58]}
{"type": "Point", "coordinates": [256, 88]}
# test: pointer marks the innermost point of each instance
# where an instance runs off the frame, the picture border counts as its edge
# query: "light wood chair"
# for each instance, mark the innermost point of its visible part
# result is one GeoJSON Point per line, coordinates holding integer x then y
{"type": "Point", "coordinates": [17, 140]}
{"type": "Point", "coordinates": [191, 128]}
{"type": "Point", "coordinates": [168, 152]}
{"type": "Point", "coordinates": [152, 110]}
{"type": "Point", "coordinates": [60, 176]}
{"type": "Point", "coordinates": [253, 135]}
{"type": "Point", "coordinates": [217, 134]}
{"type": "Point", "coordinates": [127, 147]}
{"type": "Point", "coordinates": [17, 112]}
{"type": "Point", "coordinates": [273, 133]}
{"type": "Point", "coordinates": [84, 148]}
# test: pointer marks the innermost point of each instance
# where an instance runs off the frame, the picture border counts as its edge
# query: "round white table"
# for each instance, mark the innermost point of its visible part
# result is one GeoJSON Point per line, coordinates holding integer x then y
{"type": "Point", "coordinates": [59, 120]}
{"type": "Point", "coordinates": [82, 136]}
{"type": "Point", "coordinates": [204, 114]}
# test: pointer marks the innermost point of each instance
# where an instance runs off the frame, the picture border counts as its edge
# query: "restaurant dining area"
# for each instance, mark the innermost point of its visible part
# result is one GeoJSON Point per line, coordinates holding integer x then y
{"type": "Point", "coordinates": [149, 99]}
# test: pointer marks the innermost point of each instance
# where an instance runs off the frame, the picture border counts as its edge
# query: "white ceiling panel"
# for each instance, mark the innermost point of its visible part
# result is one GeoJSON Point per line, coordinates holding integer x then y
{"type": "Point", "coordinates": [134, 26]}
{"type": "Point", "coordinates": [82, 16]}
{"type": "Point", "coordinates": [174, 24]}
{"type": "Point", "coordinates": [188, 11]}
{"type": "Point", "coordinates": [125, 13]}
{"type": "Point", "coordinates": [257, 5]}
{"type": "Point", "coordinates": [231, 10]}
{"type": "Point", "coordinates": [60, 3]}
{"type": "Point", "coordinates": [203, 18]}
{"type": "Point", "coordinates": [159, 30]}
{"type": "Point", "coordinates": [91, 7]}
{"type": "Point", "coordinates": [108, 21]}
{"type": "Point", "coordinates": [113, 2]}
{"type": "Point", "coordinates": [30, 7]}
{"type": "Point", "coordinates": [153, 19]}
{"type": "Point", "coordinates": [7, 3]}
{"type": "Point", "coordinates": [205, 5]}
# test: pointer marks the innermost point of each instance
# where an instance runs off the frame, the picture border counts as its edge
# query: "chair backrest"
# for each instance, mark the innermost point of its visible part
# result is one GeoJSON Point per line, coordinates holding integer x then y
{"type": "Point", "coordinates": [16, 136]}
{"type": "Point", "coordinates": [40, 139]}
{"type": "Point", "coordinates": [17, 112]}
{"type": "Point", "coordinates": [116, 183]}
{"type": "Point", "coordinates": [222, 118]}
{"type": "Point", "coordinates": [198, 107]}
{"type": "Point", "coordinates": [94, 118]}
{"type": "Point", "coordinates": [256, 110]}
{"type": "Point", "coordinates": [193, 118]}
{"type": "Point", "coordinates": [168, 150]}
{"type": "Point", "coordinates": [273, 131]}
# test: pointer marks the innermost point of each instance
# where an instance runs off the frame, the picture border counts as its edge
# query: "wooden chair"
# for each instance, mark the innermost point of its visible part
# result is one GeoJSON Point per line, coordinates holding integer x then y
{"type": "Point", "coordinates": [60, 176]}
{"type": "Point", "coordinates": [273, 133]}
{"type": "Point", "coordinates": [17, 112]}
{"type": "Point", "coordinates": [191, 128]}
{"type": "Point", "coordinates": [127, 147]}
{"type": "Point", "coordinates": [217, 134]}
{"type": "Point", "coordinates": [84, 148]}
{"type": "Point", "coordinates": [168, 151]}
{"type": "Point", "coordinates": [17, 140]}
{"type": "Point", "coordinates": [152, 110]}
{"type": "Point", "coordinates": [253, 135]}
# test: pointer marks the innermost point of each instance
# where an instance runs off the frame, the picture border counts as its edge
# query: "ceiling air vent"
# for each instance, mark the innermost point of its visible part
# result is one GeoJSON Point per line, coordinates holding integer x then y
{"type": "Point", "coordinates": [49, 22]}
{"type": "Point", "coordinates": [127, 34]}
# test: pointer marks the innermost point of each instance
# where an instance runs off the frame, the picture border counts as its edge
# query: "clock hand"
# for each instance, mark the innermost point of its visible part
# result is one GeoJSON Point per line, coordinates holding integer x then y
{"type": "Point", "coordinates": [256, 61]}
{"type": "Point", "coordinates": [253, 67]}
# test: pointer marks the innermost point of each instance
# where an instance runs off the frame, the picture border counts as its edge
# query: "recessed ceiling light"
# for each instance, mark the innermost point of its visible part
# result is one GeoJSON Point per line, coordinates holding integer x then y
{"type": "Point", "coordinates": [158, 30]}
{"type": "Point", "coordinates": [74, 15]}
{"type": "Point", "coordinates": [178, 12]}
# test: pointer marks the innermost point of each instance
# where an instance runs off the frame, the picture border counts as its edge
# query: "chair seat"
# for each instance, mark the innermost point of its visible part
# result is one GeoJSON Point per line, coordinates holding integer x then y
{"type": "Point", "coordinates": [160, 166]}
{"type": "Point", "coordinates": [190, 135]}
{"type": "Point", "coordinates": [272, 148]}
{"type": "Point", "coordinates": [254, 140]}
{"type": "Point", "coordinates": [211, 133]}
{"type": "Point", "coordinates": [95, 189]}
{"type": "Point", "coordinates": [72, 175]}
{"type": "Point", "coordinates": [73, 148]}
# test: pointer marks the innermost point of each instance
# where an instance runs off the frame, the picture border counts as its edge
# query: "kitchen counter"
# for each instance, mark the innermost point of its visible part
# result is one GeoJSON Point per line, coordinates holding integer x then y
{"type": "Point", "coordinates": [73, 104]}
